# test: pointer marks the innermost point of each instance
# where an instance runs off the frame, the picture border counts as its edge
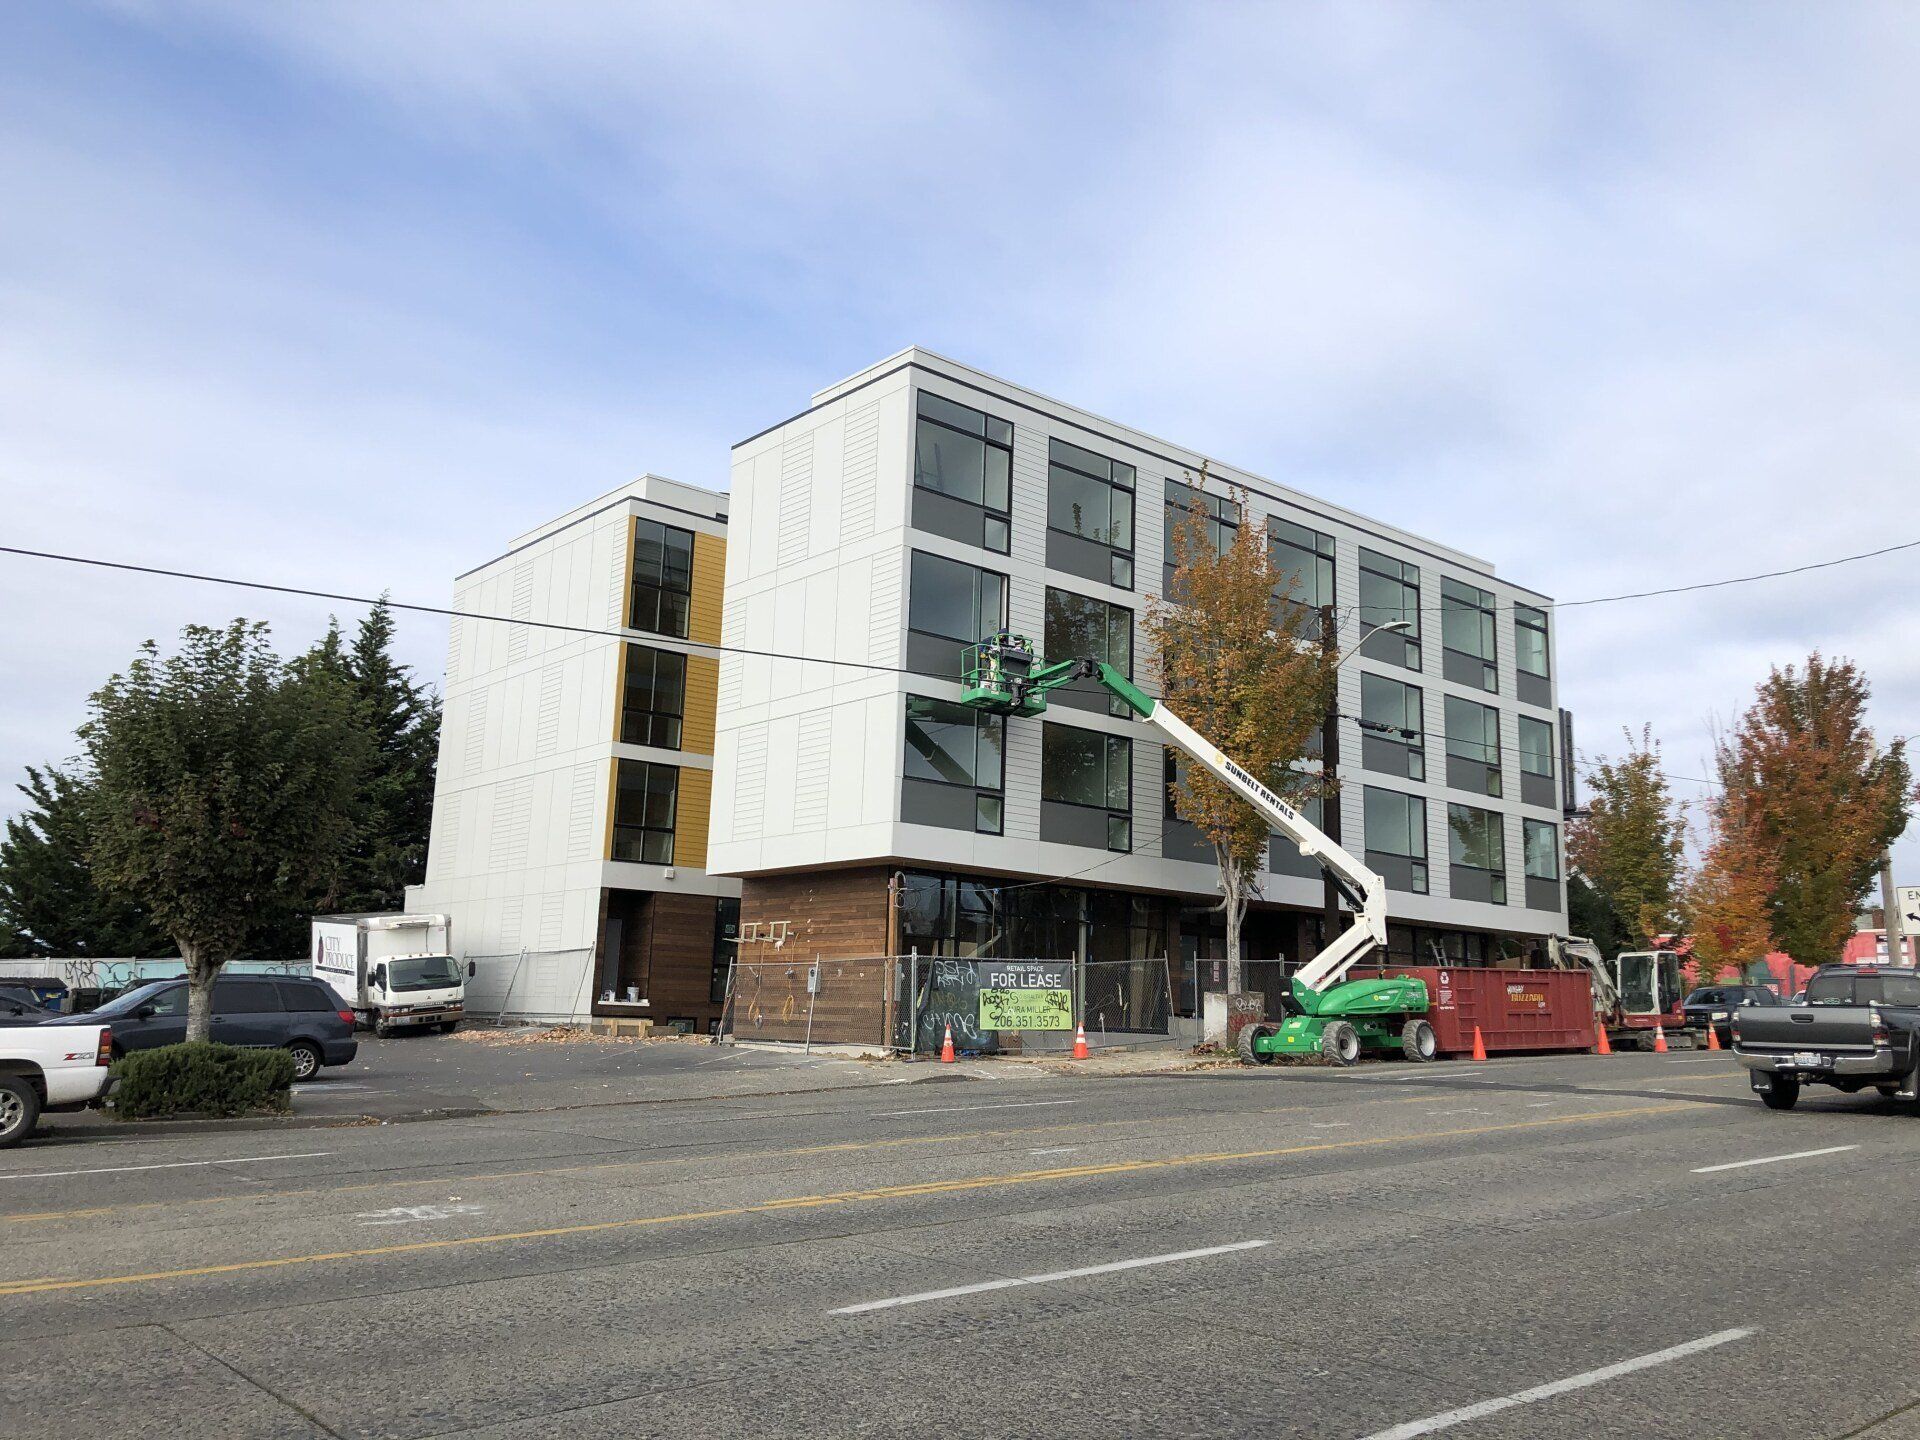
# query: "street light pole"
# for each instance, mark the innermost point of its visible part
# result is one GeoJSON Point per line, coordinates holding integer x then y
{"type": "Point", "coordinates": [1890, 909]}
{"type": "Point", "coordinates": [1330, 757]}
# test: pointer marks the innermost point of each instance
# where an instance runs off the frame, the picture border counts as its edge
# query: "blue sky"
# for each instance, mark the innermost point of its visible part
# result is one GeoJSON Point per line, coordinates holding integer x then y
{"type": "Point", "coordinates": [1613, 295]}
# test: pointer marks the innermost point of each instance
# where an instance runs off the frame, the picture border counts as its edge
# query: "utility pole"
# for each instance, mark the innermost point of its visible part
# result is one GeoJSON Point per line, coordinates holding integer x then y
{"type": "Point", "coordinates": [1890, 908]}
{"type": "Point", "coordinates": [1330, 771]}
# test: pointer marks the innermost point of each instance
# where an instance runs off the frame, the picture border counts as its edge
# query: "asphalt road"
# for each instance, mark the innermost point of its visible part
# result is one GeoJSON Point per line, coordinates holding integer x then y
{"type": "Point", "coordinates": [1525, 1249]}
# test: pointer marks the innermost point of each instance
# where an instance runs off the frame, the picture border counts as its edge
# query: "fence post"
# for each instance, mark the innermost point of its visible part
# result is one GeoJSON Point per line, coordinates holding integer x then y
{"type": "Point", "coordinates": [913, 1003]}
{"type": "Point", "coordinates": [813, 995]}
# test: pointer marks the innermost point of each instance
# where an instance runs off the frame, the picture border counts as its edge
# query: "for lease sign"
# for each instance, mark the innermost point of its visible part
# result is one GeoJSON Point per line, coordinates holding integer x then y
{"type": "Point", "coordinates": [1026, 995]}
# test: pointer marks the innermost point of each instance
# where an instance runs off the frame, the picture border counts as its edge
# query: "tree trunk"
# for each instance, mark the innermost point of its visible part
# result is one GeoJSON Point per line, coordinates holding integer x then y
{"type": "Point", "coordinates": [1233, 900]}
{"type": "Point", "coordinates": [201, 973]}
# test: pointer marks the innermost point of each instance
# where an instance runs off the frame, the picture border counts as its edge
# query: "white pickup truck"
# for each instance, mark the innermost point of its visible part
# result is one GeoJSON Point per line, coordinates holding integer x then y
{"type": "Point", "coordinates": [49, 1067]}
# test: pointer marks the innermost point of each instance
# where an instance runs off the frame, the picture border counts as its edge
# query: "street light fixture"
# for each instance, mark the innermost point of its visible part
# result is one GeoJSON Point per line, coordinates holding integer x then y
{"type": "Point", "coordinates": [1388, 625]}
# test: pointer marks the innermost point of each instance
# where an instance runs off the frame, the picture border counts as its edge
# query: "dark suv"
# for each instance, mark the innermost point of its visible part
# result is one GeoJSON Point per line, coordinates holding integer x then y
{"type": "Point", "coordinates": [302, 1017]}
{"type": "Point", "coordinates": [1716, 1005]}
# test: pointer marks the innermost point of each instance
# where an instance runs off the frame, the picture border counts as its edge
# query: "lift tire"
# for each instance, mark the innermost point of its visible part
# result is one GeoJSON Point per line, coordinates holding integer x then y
{"type": "Point", "coordinates": [1418, 1042]}
{"type": "Point", "coordinates": [1340, 1043]}
{"type": "Point", "coordinates": [1243, 1044]}
{"type": "Point", "coordinates": [1782, 1092]}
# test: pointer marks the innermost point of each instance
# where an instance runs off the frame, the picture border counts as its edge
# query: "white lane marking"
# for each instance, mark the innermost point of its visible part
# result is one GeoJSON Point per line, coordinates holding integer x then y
{"type": "Point", "coordinates": [1469, 1110]}
{"type": "Point", "coordinates": [170, 1165]}
{"type": "Point", "coordinates": [1706, 1060]}
{"type": "Point", "coordinates": [958, 1109]}
{"type": "Point", "coordinates": [1055, 1150]}
{"type": "Point", "coordinates": [413, 1214]}
{"type": "Point", "coordinates": [1330, 1124]}
{"type": "Point", "coordinates": [1774, 1159]}
{"type": "Point", "coordinates": [1446, 1420]}
{"type": "Point", "coordinates": [985, 1285]}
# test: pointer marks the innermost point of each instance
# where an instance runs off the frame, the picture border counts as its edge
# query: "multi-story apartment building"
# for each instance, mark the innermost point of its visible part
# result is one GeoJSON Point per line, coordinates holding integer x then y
{"type": "Point", "coordinates": [920, 504]}
{"type": "Point", "coordinates": [569, 838]}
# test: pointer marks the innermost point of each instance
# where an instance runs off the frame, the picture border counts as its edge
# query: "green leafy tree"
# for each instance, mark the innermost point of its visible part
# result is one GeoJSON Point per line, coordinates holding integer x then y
{"type": "Point", "coordinates": [49, 902]}
{"type": "Point", "coordinates": [1589, 914]}
{"type": "Point", "coordinates": [225, 795]}
{"type": "Point", "coordinates": [1236, 663]}
{"type": "Point", "coordinates": [1817, 797]}
{"type": "Point", "coordinates": [1629, 844]}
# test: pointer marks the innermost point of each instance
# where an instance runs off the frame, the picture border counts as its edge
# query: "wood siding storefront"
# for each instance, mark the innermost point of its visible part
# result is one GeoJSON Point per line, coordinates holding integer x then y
{"type": "Point", "coordinates": [836, 918]}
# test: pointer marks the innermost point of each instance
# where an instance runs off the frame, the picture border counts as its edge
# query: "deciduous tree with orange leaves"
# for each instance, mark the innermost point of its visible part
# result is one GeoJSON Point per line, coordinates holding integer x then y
{"type": "Point", "coordinates": [1817, 798]}
{"type": "Point", "coordinates": [1728, 899]}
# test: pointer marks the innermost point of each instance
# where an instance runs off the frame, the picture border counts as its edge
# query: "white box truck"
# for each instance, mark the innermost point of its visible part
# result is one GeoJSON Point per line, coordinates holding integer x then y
{"type": "Point", "coordinates": [392, 970]}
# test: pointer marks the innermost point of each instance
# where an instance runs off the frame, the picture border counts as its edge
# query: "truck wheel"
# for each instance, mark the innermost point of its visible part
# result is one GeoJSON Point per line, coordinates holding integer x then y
{"type": "Point", "coordinates": [19, 1109]}
{"type": "Point", "coordinates": [1417, 1041]}
{"type": "Point", "coordinates": [1782, 1092]}
{"type": "Point", "coordinates": [1243, 1044]}
{"type": "Point", "coordinates": [1891, 1092]}
{"type": "Point", "coordinates": [447, 1027]}
{"type": "Point", "coordinates": [306, 1059]}
{"type": "Point", "coordinates": [381, 1029]}
{"type": "Point", "coordinates": [1340, 1043]}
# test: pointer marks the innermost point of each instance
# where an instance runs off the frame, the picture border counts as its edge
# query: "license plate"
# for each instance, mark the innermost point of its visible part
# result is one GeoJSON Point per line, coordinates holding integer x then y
{"type": "Point", "coordinates": [1808, 1060]}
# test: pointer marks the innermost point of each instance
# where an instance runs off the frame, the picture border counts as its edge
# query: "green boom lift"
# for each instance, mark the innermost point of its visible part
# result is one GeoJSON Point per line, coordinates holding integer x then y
{"type": "Point", "coordinates": [1338, 1018]}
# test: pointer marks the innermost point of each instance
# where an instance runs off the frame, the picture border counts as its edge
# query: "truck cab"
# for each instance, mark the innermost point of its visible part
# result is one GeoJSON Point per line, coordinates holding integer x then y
{"type": "Point", "coordinates": [1650, 989]}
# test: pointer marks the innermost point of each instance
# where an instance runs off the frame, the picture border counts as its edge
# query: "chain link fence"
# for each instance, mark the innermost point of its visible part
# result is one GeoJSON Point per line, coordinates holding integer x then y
{"type": "Point", "coordinates": [1121, 1002]}
{"type": "Point", "coordinates": [809, 1000]}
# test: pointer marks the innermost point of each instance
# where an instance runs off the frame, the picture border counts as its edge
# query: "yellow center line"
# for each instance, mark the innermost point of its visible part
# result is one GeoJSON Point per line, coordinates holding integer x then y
{"type": "Point", "coordinates": [814, 1202]}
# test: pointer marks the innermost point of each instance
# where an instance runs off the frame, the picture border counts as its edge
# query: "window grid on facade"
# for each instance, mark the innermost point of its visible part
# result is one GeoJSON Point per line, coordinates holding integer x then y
{"type": "Point", "coordinates": [950, 605]}
{"type": "Point", "coordinates": [1092, 770]}
{"type": "Point", "coordinates": [1540, 841]}
{"type": "Point", "coordinates": [1080, 627]}
{"type": "Point", "coordinates": [967, 456]}
{"type": "Point", "coordinates": [1530, 640]}
{"type": "Point", "coordinates": [645, 798]}
{"type": "Point", "coordinates": [1467, 634]}
{"type": "Point", "coordinates": [1391, 714]}
{"type": "Point", "coordinates": [964, 750]}
{"type": "Point", "coordinates": [1092, 498]}
{"type": "Point", "coordinates": [1395, 827]}
{"type": "Point", "coordinates": [654, 706]}
{"type": "Point", "coordinates": [1304, 559]}
{"type": "Point", "coordinates": [1536, 747]}
{"type": "Point", "coordinates": [1476, 842]}
{"type": "Point", "coordinates": [1389, 591]}
{"type": "Point", "coordinates": [1473, 734]}
{"type": "Point", "coordinates": [1222, 524]}
{"type": "Point", "coordinates": [662, 587]}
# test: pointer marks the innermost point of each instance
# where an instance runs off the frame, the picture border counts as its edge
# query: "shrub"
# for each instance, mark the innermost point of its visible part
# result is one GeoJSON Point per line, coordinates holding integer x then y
{"type": "Point", "coordinates": [201, 1079]}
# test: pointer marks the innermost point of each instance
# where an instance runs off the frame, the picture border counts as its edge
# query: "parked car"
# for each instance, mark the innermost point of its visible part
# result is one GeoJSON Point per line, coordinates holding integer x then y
{"type": "Point", "coordinates": [1860, 1026]}
{"type": "Point", "coordinates": [1714, 1005]}
{"type": "Point", "coordinates": [47, 1068]}
{"type": "Point", "coordinates": [301, 1016]}
{"type": "Point", "coordinates": [19, 1006]}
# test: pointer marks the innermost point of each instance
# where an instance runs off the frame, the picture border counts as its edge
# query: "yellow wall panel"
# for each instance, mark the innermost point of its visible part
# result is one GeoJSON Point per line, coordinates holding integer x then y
{"type": "Point", "coordinates": [702, 704]}
{"type": "Point", "coordinates": [709, 585]}
{"type": "Point", "coordinates": [690, 818]}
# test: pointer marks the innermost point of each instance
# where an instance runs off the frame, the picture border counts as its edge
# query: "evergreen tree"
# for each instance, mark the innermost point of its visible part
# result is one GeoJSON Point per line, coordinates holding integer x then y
{"type": "Point", "coordinates": [49, 902]}
{"type": "Point", "coordinates": [402, 722]}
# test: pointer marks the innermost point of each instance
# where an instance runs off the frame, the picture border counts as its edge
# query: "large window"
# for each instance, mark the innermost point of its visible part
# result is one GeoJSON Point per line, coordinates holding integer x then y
{"type": "Point", "coordinates": [643, 812]}
{"type": "Point", "coordinates": [1536, 762]}
{"type": "Point", "coordinates": [1542, 844]}
{"type": "Point", "coordinates": [1304, 559]}
{"type": "Point", "coordinates": [1090, 498]}
{"type": "Point", "coordinates": [1389, 591]}
{"type": "Point", "coordinates": [1530, 659]}
{"type": "Point", "coordinates": [1467, 635]}
{"type": "Point", "coordinates": [950, 606]}
{"type": "Point", "coordinates": [1473, 746]}
{"type": "Point", "coordinates": [1080, 627]}
{"type": "Point", "coordinates": [1392, 732]}
{"type": "Point", "coordinates": [954, 767]}
{"type": "Point", "coordinates": [1092, 772]}
{"type": "Point", "coordinates": [655, 701]}
{"type": "Point", "coordinates": [1222, 524]}
{"type": "Point", "coordinates": [1477, 848]}
{"type": "Point", "coordinates": [662, 579]}
{"type": "Point", "coordinates": [1396, 838]}
{"type": "Point", "coordinates": [967, 457]}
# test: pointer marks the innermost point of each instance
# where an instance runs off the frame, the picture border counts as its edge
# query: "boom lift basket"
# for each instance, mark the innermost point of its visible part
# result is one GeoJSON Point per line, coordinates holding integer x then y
{"type": "Point", "coordinates": [995, 674]}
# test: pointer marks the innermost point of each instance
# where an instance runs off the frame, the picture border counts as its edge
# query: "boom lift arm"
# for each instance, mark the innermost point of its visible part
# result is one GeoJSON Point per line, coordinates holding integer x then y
{"type": "Point", "coordinates": [1001, 677]}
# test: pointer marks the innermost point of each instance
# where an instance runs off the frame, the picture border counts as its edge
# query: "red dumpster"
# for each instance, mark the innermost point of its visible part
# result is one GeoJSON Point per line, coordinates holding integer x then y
{"type": "Point", "coordinates": [1515, 1009]}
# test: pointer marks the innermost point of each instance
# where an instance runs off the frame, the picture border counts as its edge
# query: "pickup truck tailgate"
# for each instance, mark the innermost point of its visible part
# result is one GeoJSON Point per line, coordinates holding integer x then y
{"type": "Point", "coordinates": [1805, 1027]}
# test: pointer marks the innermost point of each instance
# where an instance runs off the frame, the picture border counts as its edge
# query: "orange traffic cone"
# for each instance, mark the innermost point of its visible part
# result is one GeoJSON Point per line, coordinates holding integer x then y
{"type": "Point", "coordinates": [1659, 1039]}
{"type": "Point", "coordinates": [1713, 1037]}
{"type": "Point", "coordinates": [1080, 1043]}
{"type": "Point", "coordinates": [1479, 1045]}
{"type": "Point", "coordinates": [946, 1046]}
{"type": "Point", "coordinates": [1604, 1047]}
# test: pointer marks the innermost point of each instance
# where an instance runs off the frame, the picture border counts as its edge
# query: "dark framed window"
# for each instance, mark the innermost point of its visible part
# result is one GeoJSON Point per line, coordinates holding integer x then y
{"type": "Point", "coordinates": [1093, 772]}
{"type": "Point", "coordinates": [1540, 839]}
{"type": "Point", "coordinates": [1090, 498]}
{"type": "Point", "coordinates": [662, 589]}
{"type": "Point", "coordinates": [1477, 850]}
{"type": "Point", "coordinates": [1392, 728]}
{"type": "Point", "coordinates": [1530, 640]}
{"type": "Point", "coordinates": [1082, 627]}
{"type": "Point", "coordinates": [1304, 559]}
{"type": "Point", "coordinates": [1536, 747]}
{"type": "Point", "coordinates": [645, 799]}
{"type": "Point", "coordinates": [1222, 521]}
{"type": "Point", "coordinates": [1389, 591]}
{"type": "Point", "coordinates": [1473, 746]}
{"type": "Point", "coordinates": [965, 456]}
{"type": "Point", "coordinates": [1467, 635]}
{"type": "Point", "coordinates": [954, 770]}
{"type": "Point", "coordinates": [950, 605]}
{"type": "Point", "coordinates": [1396, 837]}
{"type": "Point", "coordinates": [655, 702]}
{"type": "Point", "coordinates": [726, 935]}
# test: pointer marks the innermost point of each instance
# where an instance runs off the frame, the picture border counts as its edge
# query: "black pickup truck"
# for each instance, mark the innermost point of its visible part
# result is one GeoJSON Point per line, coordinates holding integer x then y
{"type": "Point", "coordinates": [1858, 1026]}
